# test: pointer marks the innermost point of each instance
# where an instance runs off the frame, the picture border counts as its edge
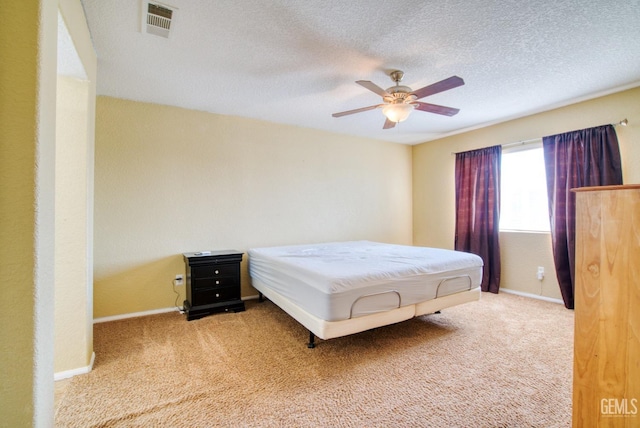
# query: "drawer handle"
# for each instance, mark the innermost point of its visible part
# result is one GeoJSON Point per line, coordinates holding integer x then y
{"type": "Point", "coordinates": [217, 295]}
{"type": "Point", "coordinates": [217, 272]}
{"type": "Point", "coordinates": [217, 282]}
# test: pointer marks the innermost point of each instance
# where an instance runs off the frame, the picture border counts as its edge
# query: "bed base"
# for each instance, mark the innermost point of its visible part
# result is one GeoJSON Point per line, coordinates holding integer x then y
{"type": "Point", "coordinates": [312, 337]}
{"type": "Point", "coordinates": [333, 329]}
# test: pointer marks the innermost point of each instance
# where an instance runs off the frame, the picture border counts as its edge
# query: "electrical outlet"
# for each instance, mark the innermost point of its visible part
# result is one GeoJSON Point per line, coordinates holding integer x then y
{"type": "Point", "coordinates": [179, 280]}
{"type": "Point", "coordinates": [540, 274]}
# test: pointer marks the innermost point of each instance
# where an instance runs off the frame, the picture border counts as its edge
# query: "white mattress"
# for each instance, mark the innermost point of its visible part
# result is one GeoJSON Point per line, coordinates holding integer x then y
{"type": "Point", "coordinates": [344, 280]}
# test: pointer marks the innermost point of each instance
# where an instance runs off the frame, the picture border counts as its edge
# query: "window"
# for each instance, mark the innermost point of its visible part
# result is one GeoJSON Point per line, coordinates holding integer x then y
{"type": "Point", "coordinates": [523, 202]}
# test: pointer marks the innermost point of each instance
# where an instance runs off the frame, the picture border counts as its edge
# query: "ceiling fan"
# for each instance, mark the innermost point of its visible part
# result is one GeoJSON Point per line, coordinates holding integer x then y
{"type": "Point", "coordinates": [400, 101]}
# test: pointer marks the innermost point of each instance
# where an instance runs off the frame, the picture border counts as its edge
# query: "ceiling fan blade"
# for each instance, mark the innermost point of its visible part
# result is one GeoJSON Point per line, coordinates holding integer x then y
{"type": "Point", "coordinates": [443, 85]}
{"type": "Point", "coordinates": [373, 87]}
{"type": "Point", "coordinates": [358, 110]}
{"type": "Point", "coordinates": [434, 108]}
{"type": "Point", "coordinates": [388, 124]}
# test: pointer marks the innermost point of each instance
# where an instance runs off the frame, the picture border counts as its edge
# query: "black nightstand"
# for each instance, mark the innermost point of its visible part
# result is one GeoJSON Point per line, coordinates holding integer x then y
{"type": "Point", "coordinates": [213, 283]}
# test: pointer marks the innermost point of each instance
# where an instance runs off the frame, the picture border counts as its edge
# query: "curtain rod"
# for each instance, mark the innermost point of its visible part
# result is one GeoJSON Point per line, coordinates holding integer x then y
{"type": "Point", "coordinates": [623, 122]}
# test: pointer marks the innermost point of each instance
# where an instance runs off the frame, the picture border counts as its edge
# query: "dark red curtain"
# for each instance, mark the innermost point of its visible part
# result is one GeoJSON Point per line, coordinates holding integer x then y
{"type": "Point", "coordinates": [478, 210]}
{"type": "Point", "coordinates": [588, 157]}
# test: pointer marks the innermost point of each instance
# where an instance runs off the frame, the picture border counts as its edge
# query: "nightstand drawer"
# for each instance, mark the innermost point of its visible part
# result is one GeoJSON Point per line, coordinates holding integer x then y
{"type": "Point", "coordinates": [214, 295]}
{"type": "Point", "coordinates": [214, 271]}
{"type": "Point", "coordinates": [220, 281]}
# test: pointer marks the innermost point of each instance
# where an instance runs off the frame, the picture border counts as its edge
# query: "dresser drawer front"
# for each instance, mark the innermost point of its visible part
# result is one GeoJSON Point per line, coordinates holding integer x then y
{"type": "Point", "coordinates": [214, 295]}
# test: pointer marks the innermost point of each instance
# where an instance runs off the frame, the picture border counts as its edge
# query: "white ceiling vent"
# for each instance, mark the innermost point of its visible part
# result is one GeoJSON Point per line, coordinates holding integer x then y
{"type": "Point", "coordinates": [158, 18]}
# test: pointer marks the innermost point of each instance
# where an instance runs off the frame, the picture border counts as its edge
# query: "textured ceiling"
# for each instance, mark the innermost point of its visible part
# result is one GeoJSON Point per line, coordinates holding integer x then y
{"type": "Point", "coordinates": [296, 61]}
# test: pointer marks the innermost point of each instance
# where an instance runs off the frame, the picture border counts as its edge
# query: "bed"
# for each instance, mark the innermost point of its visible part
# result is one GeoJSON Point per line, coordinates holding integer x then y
{"type": "Point", "coordinates": [340, 288]}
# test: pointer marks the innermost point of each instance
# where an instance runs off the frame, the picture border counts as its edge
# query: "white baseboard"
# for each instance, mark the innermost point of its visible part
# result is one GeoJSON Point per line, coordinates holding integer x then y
{"type": "Point", "coordinates": [135, 315]}
{"type": "Point", "coordinates": [74, 372]}
{"type": "Point", "coordinates": [532, 296]}
{"type": "Point", "coordinates": [151, 312]}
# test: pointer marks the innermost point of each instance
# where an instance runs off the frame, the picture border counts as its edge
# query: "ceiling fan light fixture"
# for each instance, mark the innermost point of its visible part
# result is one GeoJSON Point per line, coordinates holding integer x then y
{"type": "Point", "coordinates": [397, 112]}
{"type": "Point", "coordinates": [399, 101]}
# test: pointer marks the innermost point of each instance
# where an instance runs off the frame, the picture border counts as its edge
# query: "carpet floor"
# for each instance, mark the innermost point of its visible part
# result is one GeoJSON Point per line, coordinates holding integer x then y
{"type": "Point", "coordinates": [505, 361]}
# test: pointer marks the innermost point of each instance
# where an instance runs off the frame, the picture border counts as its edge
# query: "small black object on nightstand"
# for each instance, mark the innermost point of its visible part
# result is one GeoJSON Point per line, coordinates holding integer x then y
{"type": "Point", "coordinates": [213, 283]}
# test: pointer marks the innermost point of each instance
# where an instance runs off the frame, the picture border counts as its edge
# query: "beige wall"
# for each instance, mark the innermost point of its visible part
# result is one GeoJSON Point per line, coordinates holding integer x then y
{"type": "Point", "coordinates": [521, 254]}
{"type": "Point", "coordinates": [73, 334]}
{"type": "Point", "coordinates": [170, 180]}
{"type": "Point", "coordinates": [28, 216]}
{"type": "Point", "coordinates": [75, 120]}
{"type": "Point", "coordinates": [27, 147]}
{"type": "Point", "coordinates": [434, 188]}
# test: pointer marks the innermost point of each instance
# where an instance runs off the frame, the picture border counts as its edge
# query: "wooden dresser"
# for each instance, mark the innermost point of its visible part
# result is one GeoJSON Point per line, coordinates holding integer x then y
{"type": "Point", "coordinates": [606, 368]}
